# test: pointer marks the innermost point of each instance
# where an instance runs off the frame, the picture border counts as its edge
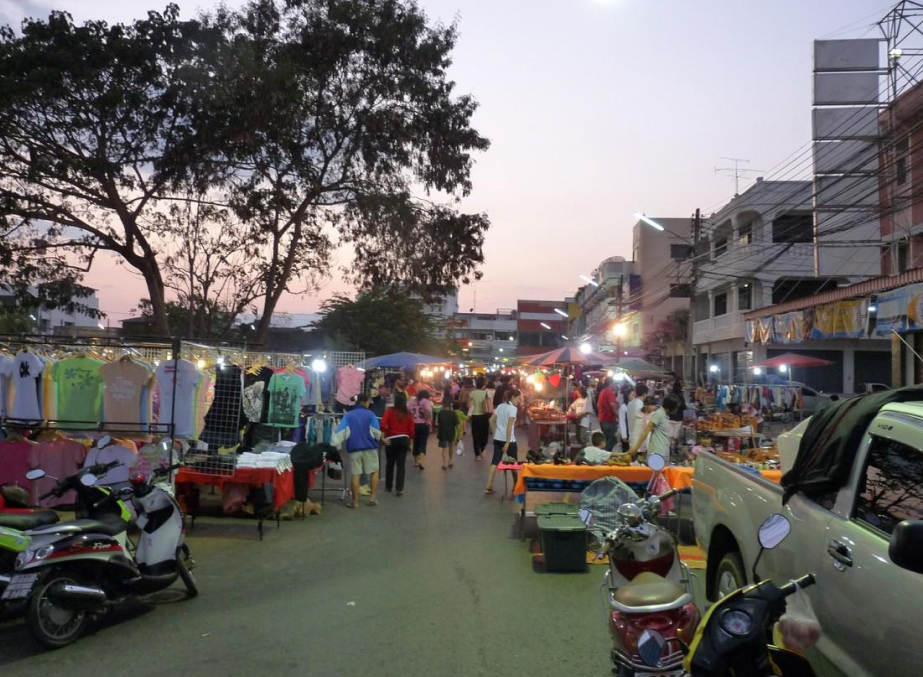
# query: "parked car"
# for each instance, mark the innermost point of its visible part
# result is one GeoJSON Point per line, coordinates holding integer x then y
{"type": "Point", "coordinates": [869, 586]}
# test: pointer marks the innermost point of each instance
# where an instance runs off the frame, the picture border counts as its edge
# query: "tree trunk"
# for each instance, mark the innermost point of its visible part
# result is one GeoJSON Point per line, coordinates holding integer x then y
{"type": "Point", "coordinates": [157, 294]}
{"type": "Point", "coordinates": [269, 307]}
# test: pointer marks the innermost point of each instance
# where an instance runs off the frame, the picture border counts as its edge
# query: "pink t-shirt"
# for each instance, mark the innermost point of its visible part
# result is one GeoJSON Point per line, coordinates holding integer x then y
{"type": "Point", "coordinates": [419, 408]}
{"type": "Point", "coordinates": [349, 384]}
{"type": "Point", "coordinates": [14, 462]}
{"type": "Point", "coordinates": [58, 458]}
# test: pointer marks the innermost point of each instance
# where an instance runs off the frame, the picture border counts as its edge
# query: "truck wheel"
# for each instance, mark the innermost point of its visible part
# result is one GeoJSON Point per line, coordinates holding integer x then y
{"type": "Point", "coordinates": [50, 624]}
{"type": "Point", "coordinates": [730, 575]}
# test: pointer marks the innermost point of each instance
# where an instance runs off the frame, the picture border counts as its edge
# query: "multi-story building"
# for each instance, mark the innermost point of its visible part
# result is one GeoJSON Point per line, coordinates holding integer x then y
{"type": "Point", "coordinates": [55, 320]}
{"type": "Point", "coordinates": [485, 337]}
{"type": "Point", "coordinates": [539, 327]}
{"type": "Point", "coordinates": [601, 303]}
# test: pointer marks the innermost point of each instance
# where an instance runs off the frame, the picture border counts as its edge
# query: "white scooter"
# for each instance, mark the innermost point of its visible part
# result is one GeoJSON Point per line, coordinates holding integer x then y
{"type": "Point", "coordinates": [84, 568]}
{"type": "Point", "coordinates": [647, 587]}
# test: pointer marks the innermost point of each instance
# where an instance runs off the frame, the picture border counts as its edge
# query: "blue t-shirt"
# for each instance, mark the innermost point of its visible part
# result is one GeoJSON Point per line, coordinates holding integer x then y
{"type": "Point", "coordinates": [360, 421]}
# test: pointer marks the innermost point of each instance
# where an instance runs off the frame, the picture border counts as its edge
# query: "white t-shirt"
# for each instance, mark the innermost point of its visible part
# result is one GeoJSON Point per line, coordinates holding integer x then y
{"type": "Point", "coordinates": [187, 376]}
{"type": "Point", "coordinates": [634, 423]}
{"type": "Point", "coordinates": [505, 413]}
{"type": "Point", "coordinates": [659, 440]}
{"type": "Point", "coordinates": [27, 366]}
{"type": "Point", "coordinates": [595, 455]}
{"type": "Point", "coordinates": [6, 369]}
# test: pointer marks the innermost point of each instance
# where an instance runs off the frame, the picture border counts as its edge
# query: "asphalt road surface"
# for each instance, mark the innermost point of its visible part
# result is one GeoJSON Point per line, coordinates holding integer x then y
{"type": "Point", "coordinates": [434, 583]}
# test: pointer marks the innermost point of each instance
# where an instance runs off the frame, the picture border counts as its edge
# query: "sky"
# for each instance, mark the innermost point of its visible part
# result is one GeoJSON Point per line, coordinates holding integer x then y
{"type": "Point", "coordinates": [595, 109]}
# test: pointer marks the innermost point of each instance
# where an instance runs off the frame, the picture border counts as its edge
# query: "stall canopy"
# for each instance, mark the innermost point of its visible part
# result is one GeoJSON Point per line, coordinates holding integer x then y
{"type": "Point", "coordinates": [792, 360]}
{"type": "Point", "coordinates": [402, 361]}
{"type": "Point", "coordinates": [636, 365]}
{"type": "Point", "coordinates": [567, 356]}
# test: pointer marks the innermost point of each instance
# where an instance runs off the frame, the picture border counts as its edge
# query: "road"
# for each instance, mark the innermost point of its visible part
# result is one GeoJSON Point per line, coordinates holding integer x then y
{"type": "Point", "coordinates": [433, 583]}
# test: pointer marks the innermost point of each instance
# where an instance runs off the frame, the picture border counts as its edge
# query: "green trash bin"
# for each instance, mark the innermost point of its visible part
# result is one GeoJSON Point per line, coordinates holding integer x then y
{"type": "Point", "coordinates": [564, 543]}
{"type": "Point", "coordinates": [557, 509]}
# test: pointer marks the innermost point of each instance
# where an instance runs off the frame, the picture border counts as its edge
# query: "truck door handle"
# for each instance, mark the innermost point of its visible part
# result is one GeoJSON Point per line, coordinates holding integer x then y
{"type": "Point", "coordinates": [840, 552]}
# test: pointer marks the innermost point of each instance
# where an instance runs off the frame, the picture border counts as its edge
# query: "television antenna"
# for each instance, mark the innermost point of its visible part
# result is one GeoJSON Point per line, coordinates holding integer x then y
{"type": "Point", "coordinates": [737, 171]}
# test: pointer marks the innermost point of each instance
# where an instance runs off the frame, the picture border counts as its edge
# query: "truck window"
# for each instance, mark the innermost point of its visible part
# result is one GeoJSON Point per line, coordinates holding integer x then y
{"type": "Point", "coordinates": [892, 488]}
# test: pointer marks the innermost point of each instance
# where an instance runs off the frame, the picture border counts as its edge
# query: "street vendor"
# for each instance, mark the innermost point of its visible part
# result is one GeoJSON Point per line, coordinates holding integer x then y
{"type": "Point", "coordinates": [658, 428]}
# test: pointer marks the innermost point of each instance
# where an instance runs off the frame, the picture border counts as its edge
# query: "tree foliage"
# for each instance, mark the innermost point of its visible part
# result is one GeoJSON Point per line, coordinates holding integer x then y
{"type": "Point", "coordinates": [379, 322]}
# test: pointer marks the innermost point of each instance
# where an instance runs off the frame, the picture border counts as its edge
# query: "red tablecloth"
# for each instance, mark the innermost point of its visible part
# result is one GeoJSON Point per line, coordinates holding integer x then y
{"type": "Point", "coordinates": [677, 477]}
{"type": "Point", "coordinates": [283, 483]}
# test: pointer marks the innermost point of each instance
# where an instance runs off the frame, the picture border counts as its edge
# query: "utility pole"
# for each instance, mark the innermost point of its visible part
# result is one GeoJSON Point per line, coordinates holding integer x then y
{"type": "Point", "coordinates": [696, 233]}
{"type": "Point", "coordinates": [618, 315]}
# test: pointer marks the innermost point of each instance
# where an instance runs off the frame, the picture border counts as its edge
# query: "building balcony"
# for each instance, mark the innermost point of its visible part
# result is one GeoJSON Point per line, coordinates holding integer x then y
{"type": "Point", "coordinates": [721, 328]}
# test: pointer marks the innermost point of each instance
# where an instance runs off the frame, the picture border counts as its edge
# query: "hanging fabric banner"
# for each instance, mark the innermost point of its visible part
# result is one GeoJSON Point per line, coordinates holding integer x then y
{"type": "Point", "coordinates": [789, 327]}
{"type": "Point", "coordinates": [843, 319]}
{"type": "Point", "coordinates": [901, 310]}
{"type": "Point", "coordinates": [766, 329]}
{"type": "Point", "coordinates": [752, 331]}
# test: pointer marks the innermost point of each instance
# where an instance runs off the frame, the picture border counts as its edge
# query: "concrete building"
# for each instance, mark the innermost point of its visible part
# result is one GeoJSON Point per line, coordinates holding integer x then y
{"type": "Point", "coordinates": [538, 327]}
{"type": "Point", "coordinates": [759, 252]}
{"type": "Point", "coordinates": [601, 304]}
{"type": "Point", "coordinates": [486, 337]}
{"type": "Point", "coordinates": [54, 320]}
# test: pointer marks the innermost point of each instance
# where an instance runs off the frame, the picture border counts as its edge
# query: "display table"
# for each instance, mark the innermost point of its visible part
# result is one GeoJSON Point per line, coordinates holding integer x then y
{"type": "Point", "coordinates": [539, 429]}
{"type": "Point", "coordinates": [504, 468]}
{"type": "Point", "coordinates": [283, 484]}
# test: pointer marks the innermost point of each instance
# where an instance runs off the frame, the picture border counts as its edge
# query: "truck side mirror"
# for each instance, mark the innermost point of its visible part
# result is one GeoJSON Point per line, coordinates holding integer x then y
{"type": "Point", "coordinates": [906, 546]}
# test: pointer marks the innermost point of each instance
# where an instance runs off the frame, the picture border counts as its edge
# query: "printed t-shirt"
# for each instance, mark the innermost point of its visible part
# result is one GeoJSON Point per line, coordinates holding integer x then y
{"type": "Point", "coordinates": [349, 384]}
{"type": "Point", "coordinates": [14, 462]}
{"type": "Point", "coordinates": [187, 377]}
{"type": "Point", "coordinates": [477, 402]}
{"type": "Point", "coordinates": [122, 402]}
{"type": "Point", "coordinates": [6, 369]}
{"type": "Point", "coordinates": [58, 458]}
{"type": "Point", "coordinates": [27, 367]}
{"type": "Point", "coordinates": [505, 413]}
{"type": "Point", "coordinates": [660, 436]}
{"type": "Point", "coordinates": [419, 408]}
{"type": "Point", "coordinates": [285, 391]}
{"type": "Point", "coordinates": [603, 410]}
{"type": "Point", "coordinates": [79, 389]}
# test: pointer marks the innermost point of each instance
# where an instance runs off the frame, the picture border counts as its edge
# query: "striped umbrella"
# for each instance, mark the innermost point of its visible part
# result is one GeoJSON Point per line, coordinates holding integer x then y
{"type": "Point", "coordinates": [566, 356]}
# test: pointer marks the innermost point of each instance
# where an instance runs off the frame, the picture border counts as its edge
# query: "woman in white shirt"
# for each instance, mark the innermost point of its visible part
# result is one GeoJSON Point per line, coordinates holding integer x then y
{"type": "Point", "coordinates": [578, 409]}
{"type": "Point", "coordinates": [658, 428]}
{"type": "Point", "coordinates": [504, 420]}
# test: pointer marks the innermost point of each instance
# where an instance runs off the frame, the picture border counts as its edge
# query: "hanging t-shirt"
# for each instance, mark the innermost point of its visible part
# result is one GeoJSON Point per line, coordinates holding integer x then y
{"type": "Point", "coordinates": [181, 408]}
{"type": "Point", "coordinates": [6, 369]}
{"type": "Point", "coordinates": [349, 384]}
{"type": "Point", "coordinates": [58, 458]}
{"type": "Point", "coordinates": [125, 382]}
{"type": "Point", "coordinates": [14, 462]}
{"type": "Point", "coordinates": [285, 391]}
{"type": "Point", "coordinates": [26, 380]}
{"type": "Point", "coordinates": [79, 389]}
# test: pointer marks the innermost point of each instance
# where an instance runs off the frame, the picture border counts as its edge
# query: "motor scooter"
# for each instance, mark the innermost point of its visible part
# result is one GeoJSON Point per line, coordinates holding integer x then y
{"type": "Point", "coordinates": [647, 586]}
{"type": "Point", "coordinates": [87, 568]}
{"type": "Point", "coordinates": [732, 640]}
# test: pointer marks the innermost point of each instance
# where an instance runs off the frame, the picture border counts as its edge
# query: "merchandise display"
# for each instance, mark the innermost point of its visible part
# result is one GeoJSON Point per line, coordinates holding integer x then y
{"type": "Point", "coordinates": [126, 397]}
{"type": "Point", "coordinates": [178, 405]}
{"type": "Point", "coordinates": [285, 392]}
{"type": "Point", "coordinates": [79, 391]}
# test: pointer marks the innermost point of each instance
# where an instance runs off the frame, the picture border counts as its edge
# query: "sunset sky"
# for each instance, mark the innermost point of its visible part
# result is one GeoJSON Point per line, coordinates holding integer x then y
{"type": "Point", "coordinates": [595, 109]}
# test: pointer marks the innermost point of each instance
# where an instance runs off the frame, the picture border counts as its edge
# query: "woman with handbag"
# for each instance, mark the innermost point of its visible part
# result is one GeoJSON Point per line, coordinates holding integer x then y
{"type": "Point", "coordinates": [480, 407]}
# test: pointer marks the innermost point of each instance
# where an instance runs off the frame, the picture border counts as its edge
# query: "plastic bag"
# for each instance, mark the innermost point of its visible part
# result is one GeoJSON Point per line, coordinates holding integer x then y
{"type": "Point", "coordinates": [459, 448]}
{"type": "Point", "coordinates": [798, 629]}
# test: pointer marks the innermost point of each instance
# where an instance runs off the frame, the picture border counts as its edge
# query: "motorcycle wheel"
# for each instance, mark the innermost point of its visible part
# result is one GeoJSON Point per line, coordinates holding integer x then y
{"type": "Point", "coordinates": [51, 625]}
{"type": "Point", "coordinates": [185, 564]}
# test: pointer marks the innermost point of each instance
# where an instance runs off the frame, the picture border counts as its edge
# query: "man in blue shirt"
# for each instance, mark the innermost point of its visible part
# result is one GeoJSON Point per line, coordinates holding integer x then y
{"type": "Point", "coordinates": [360, 428]}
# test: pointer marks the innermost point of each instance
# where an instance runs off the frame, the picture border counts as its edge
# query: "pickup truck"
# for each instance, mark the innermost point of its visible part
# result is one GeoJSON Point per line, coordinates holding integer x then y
{"type": "Point", "coordinates": [870, 609]}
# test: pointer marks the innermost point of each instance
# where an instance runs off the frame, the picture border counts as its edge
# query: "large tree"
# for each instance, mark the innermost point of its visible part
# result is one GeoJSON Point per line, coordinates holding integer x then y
{"type": "Point", "coordinates": [379, 322]}
{"type": "Point", "coordinates": [89, 115]}
{"type": "Point", "coordinates": [330, 119]}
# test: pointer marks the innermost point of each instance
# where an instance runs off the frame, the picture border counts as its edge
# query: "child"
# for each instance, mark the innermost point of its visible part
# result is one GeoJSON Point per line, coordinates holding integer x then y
{"type": "Point", "coordinates": [460, 417]}
{"type": "Point", "coordinates": [595, 454]}
{"type": "Point", "coordinates": [447, 423]}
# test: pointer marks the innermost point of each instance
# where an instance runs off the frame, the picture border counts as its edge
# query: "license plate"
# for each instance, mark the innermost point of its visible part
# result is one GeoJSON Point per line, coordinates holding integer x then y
{"type": "Point", "coordinates": [20, 586]}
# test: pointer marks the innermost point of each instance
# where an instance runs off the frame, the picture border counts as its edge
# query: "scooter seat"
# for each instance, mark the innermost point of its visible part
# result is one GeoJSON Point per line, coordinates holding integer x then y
{"type": "Point", "coordinates": [649, 589]}
{"type": "Point", "coordinates": [28, 520]}
{"type": "Point", "coordinates": [108, 526]}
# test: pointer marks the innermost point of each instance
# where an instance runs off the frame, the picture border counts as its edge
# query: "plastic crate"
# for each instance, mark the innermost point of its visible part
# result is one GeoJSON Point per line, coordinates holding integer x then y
{"type": "Point", "coordinates": [557, 509]}
{"type": "Point", "coordinates": [564, 543]}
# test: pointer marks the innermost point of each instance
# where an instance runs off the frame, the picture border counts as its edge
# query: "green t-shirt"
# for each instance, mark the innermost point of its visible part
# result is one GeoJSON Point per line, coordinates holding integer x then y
{"type": "Point", "coordinates": [285, 393]}
{"type": "Point", "coordinates": [79, 391]}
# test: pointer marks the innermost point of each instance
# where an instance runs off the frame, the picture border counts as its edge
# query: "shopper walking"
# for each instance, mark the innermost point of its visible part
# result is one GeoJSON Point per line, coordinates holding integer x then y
{"type": "Point", "coordinates": [608, 412]}
{"type": "Point", "coordinates": [480, 407]}
{"type": "Point", "coordinates": [445, 430]}
{"type": "Point", "coordinates": [500, 392]}
{"type": "Point", "coordinates": [422, 409]}
{"type": "Point", "coordinates": [397, 429]}
{"type": "Point", "coordinates": [636, 413]}
{"type": "Point", "coordinates": [628, 396]}
{"type": "Point", "coordinates": [578, 413]}
{"type": "Point", "coordinates": [362, 446]}
{"type": "Point", "coordinates": [504, 435]}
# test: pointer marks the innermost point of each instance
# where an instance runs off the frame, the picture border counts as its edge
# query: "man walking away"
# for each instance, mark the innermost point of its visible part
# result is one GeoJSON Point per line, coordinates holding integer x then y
{"type": "Point", "coordinates": [361, 430]}
{"type": "Point", "coordinates": [608, 412]}
{"type": "Point", "coordinates": [635, 410]}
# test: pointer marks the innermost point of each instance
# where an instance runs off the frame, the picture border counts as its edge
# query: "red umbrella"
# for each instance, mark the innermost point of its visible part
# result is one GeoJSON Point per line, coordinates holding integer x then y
{"type": "Point", "coordinates": [567, 356]}
{"type": "Point", "coordinates": [792, 360]}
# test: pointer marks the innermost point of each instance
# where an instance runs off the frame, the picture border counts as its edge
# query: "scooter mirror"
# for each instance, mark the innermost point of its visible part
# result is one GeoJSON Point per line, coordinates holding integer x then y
{"type": "Point", "coordinates": [166, 443]}
{"type": "Point", "coordinates": [88, 480]}
{"type": "Point", "coordinates": [587, 517]}
{"type": "Point", "coordinates": [774, 530]}
{"type": "Point", "coordinates": [103, 442]}
{"type": "Point", "coordinates": [656, 462]}
{"type": "Point", "coordinates": [36, 474]}
{"type": "Point", "coordinates": [651, 647]}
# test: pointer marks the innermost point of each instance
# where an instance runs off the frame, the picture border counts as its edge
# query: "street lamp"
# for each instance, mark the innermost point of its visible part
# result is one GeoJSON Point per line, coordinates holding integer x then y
{"type": "Point", "coordinates": [649, 221]}
{"type": "Point", "coordinates": [545, 326]}
{"type": "Point", "coordinates": [586, 348]}
{"type": "Point", "coordinates": [757, 371]}
{"type": "Point", "coordinates": [714, 369]}
{"type": "Point", "coordinates": [620, 330]}
{"type": "Point", "coordinates": [783, 368]}
{"type": "Point", "coordinates": [589, 280]}
{"type": "Point", "coordinates": [560, 312]}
